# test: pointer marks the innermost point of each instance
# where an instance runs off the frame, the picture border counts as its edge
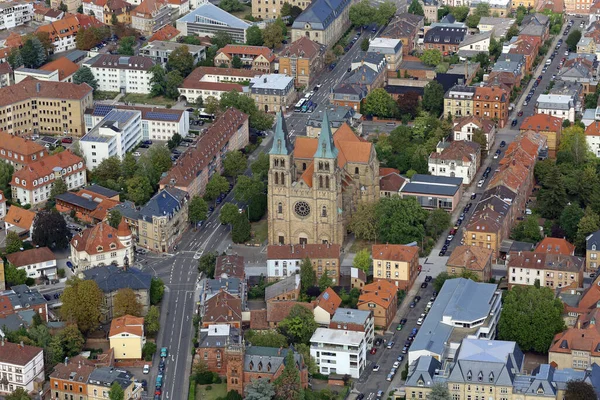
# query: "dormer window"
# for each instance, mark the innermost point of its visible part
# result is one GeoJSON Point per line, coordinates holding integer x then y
{"type": "Point", "coordinates": [113, 246]}
{"type": "Point", "coordinates": [491, 377]}
{"type": "Point", "coordinates": [480, 376]}
{"type": "Point", "coordinates": [594, 247]}
{"type": "Point", "coordinates": [469, 375]}
{"type": "Point", "coordinates": [99, 249]}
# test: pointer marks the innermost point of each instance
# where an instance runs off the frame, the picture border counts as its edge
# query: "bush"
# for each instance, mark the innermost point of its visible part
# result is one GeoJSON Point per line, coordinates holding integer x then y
{"type": "Point", "coordinates": [192, 393]}
{"type": "Point", "coordinates": [61, 273]}
{"type": "Point", "coordinates": [30, 281]}
{"type": "Point", "coordinates": [148, 351]}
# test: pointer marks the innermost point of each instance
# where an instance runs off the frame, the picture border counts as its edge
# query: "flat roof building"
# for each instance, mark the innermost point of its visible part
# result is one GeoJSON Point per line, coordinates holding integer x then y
{"type": "Point", "coordinates": [208, 19]}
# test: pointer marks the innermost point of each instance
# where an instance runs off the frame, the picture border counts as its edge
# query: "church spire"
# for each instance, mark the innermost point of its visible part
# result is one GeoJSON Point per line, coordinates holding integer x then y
{"type": "Point", "coordinates": [281, 144]}
{"type": "Point", "coordinates": [326, 148]}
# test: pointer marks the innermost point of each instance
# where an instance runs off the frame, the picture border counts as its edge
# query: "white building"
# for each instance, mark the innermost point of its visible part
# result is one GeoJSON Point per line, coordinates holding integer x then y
{"type": "Point", "coordinates": [285, 260]}
{"type": "Point", "coordinates": [475, 44]}
{"type": "Point", "coordinates": [33, 183]}
{"type": "Point", "coordinates": [339, 351]}
{"type": "Point", "coordinates": [159, 51]}
{"type": "Point", "coordinates": [116, 73]}
{"type": "Point", "coordinates": [157, 123]}
{"type": "Point", "coordinates": [592, 137]}
{"type": "Point", "coordinates": [462, 303]}
{"type": "Point", "coordinates": [207, 19]}
{"type": "Point", "coordinates": [214, 81]}
{"type": "Point", "coordinates": [390, 48]}
{"type": "Point", "coordinates": [460, 159]}
{"type": "Point", "coordinates": [95, 8]}
{"type": "Point", "coordinates": [349, 318]}
{"type": "Point", "coordinates": [39, 74]}
{"type": "Point", "coordinates": [2, 205]}
{"type": "Point", "coordinates": [23, 367]}
{"type": "Point", "coordinates": [102, 245]}
{"type": "Point", "coordinates": [15, 13]}
{"type": "Point", "coordinates": [36, 262]}
{"type": "Point", "coordinates": [115, 135]}
{"type": "Point", "coordinates": [465, 128]}
{"type": "Point", "coordinates": [557, 105]}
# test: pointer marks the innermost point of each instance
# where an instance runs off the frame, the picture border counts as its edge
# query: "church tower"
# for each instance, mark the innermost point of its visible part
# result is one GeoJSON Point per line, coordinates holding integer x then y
{"type": "Point", "coordinates": [281, 175]}
{"type": "Point", "coordinates": [234, 355]}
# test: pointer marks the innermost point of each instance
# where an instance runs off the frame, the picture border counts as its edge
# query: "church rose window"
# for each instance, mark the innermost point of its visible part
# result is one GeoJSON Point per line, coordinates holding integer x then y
{"type": "Point", "coordinates": [302, 208]}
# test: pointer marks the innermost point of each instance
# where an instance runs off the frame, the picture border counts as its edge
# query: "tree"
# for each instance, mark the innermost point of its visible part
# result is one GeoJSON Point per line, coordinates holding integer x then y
{"type": "Point", "coordinates": [231, 5]}
{"type": "Point", "coordinates": [113, 19]}
{"type": "Point", "coordinates": [116, 392]}
{"type": "Point", "coordinates": [63, 7]}
{"type": "Point", "coordinates": [258, 119]}
{"type": "Point", "coordinates": [482, 10]}
{"type": "Point", "coordinates": [433, 98]}
{"type": "Point", "coordinates": [50, 230]}
{"type": "Point", "coordinates": [197, 210]}
{"type": "Point", "coordinates": [308, 278]}
{"type": "Point", "coordinates": [362, 13]}
{"type": "Point", "coordinates": [114, 218]}
{"type": "Point", "coordinates": [125, 302]}
{"type": "Point", "coordinates": [363, 221]}
{"type": "Point", "coordinates": [325, 281]}
{"type": "Point", "coordinates": [172, 83]}
{"type": "Point", "coordinates": [181, 60]}
{"type": "Point", "coordinates": [126, 46]}
{"type": "Point", "coordinates": [329, 57]}
{"type": "Point", "coordinates": [207, 264]}
{"type": "Point", "coordinates": [408, 104]}
{"type": "Point", "coordinates": [254, 36]}
{"type": "Point", "coordinates": [385, 12]}
{"type": "Point", "coordinates": [416, 8]}
{"type": "Point", "coordinates": [299, 325]}
{"type": "Point", "coordinates": [157, 289]}
{"type": "Point", "coordinates": [81, 302]}
{"type": "Point", "coordinates": [13, 242]}
{"type": "Point", "coordinates": [58, 187]}
{"type": "Point", "coordinates": [175, 141]}
{"type": "Point", "coordinates": [14, 276]}
{"type": "Point", "coordinates": [480, 138]}
{"type": "Point", "coordinates": [152, 321]}
{"type": "Point", "coordinates": [439, 280]}
{"type": "Point", "coordinates": [215, 187]}
{"type": "Point", "coordinates": [589, 223]}
{"type": "Point", "coordinates": [251, 190]}
{"type": "Point", "coordinates": [260, 167]}
{"type": "Point", "coordinates": [512, 31]}
{"type": "Point", "coordinates": [379, 103]}
{"type": "Point", "coordinates": [85, 75]}
{"type": "Point", "coordinates": [6, 172]}
{"type": "Point", "coordinates": [221, 39]}
{"type": "Point", "coordinates": [273, 36]}
{"type": "Point", "coordinates": [460, 13]}
{"type": "Point", "coordinates": [71, 340]}
{"type": "Point", "coordinates": [439, 391]}
{"type": "Point", "coordinates": [573, 39]}
{"type": "Point", "coordinates": [139, 189]}
{"type": "Point", "coordinates": [157, 82]}
{"type": "Point", "coordinates": [552, 197]}
{"type": "Point", "coordinates": [229, 213]}
{"type": "Point", "coordinates": [573, 146]}
{"type": "Point", "coordinates": [33, 53]}
{"type": "Point", "coordinates": [473, 20]}
{"type": "Point", "coordinates": [236, 62]}
{"type": "Point", "coordinates": [362, 260]}
{"type": "Point", "coordinates": [577, 390]}
{"type": "Point", "coordinates": [400, 220]}
{"type": "Point", "coordinates": [234, 164]}
{"type": "Point", "coordinates": [569, 220]}
{"type": "Point", "coordinates": [14, 58]}
{"type": "Point", "coordinates": [266, 338]}
{"type": "Point", "coordinates": [148, 351]}
{"type": "Point", "coordinates": [259, 389]}
{"type": "Point", "coordinates": [528, 230]}
{"type": "Point", "coordinates": [437, 222]}
{"type": "Point", "coordinates": [18, 394]}
{"type": "Point", "coordinates": [241, 230]}
{"type": "Point", "coordinates": [531, 317]}
{"type": "Point", "coordinates": [288, 386]}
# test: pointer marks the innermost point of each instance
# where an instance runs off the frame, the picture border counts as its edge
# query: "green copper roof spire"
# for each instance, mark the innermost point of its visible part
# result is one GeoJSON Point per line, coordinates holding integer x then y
{"type": "Point", "coordinates": [326, 148]}
{"type": "Point", "coordinates": [281, 143]}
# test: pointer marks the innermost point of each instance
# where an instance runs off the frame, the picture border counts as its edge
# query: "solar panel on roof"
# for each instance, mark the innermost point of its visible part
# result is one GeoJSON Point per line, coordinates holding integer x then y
{"type": "Point", "coordinates": [102, 110]}
{"type": "Point", "coordinates": [162, 116]}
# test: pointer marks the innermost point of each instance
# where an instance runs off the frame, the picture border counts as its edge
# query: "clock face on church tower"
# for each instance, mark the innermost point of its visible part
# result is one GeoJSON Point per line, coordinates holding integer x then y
{"type": "Point", "coordinates": [302, 209]}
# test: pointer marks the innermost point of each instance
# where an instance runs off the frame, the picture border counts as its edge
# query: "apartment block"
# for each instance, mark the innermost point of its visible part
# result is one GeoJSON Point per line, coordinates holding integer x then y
{"type": "Point", "coordinates": [339, 351]}
{"type": "Point", "coordinates": [123, 74]}
{"type": "Point", "coordinates": [550, 270]}
{"type": "Point", "coordinates": [396, 263]}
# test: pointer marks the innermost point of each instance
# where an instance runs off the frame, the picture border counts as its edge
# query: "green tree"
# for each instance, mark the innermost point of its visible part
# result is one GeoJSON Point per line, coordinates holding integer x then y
{"type": "Point", "coordinates": [288, 385]}
{"type": "Point", "coordinates": [125, 302]}
{"type": "Point", "coordinates": [215, 187]}
{"type": "Point", "coordinates": [385, 12]}
{"type": "Point", "coordinates": [273, 36]}
{"type": "Point", "coordinates": [439, 280]}
{"type": "Point", "coordinates": [234, 164]}
{"type": "Point", "coordinates": [362, 260]}
{"type": "Point", "coordinates": [81, 304]}
{"type": "Point", "coordinates": [362, 13]}
{"type": "Point", "coordinates": [172, 83]}
{"type": "Point", "coordinates": [266, 338]}
{"type": "Point", "coordinates": [438, 221]}
{"type": "Point", "coordinates": [251, 190]}
{"type": "Point", "coordinates": [50, 230]}
{"type": "Point", "coordinates": [229, 213]}
{"type": "Point", "coordinates": [236, 62]}
{"type": "Point", "coordinates": [85, 75]}
{"type": "Point", "coordinates": [108, 170]}
{"type": "Point", "coordinates": [364, 45]}
{"type": "Point", "coordinates": [482, 10]}
{"type": "Point", "coordinates": [14, 276]}
{"type": "Point", "coordinates": [460, 13]}
{"type": "Point", "coordinates": [473, 20]}
{"type": "Point", "coordinates": [58, 187]}
{"type": "Point", "coordinates": [157, 289]}
{"type": "Point", "coordinates": [231, 5]}
{"type": "Point", "coordinates": [63, 7]}
{"type": "Point", "coordinates": [416, 8]}
{"type": "Point", "coordinates": [260, 167]}
{"type": "Point", "coordinates": [181, 60]}
{"type": "Point", "coordinates": [113, 19]}
{"type": "Point", "coordinates": [553, 196]}
{"type": "Point", "coordinates": [6, 172]}
{"type": "Point", "coordinates": [439, 391]}
{"type": "Point", "coordinates": [573, 146]}
{"type": "Point", "coordinates": [197, 210]}
{"type": "Point", "coordinates": [578, 390]}
{"type": "Point", "coordinates": [207, 264]}
{"type": "Point", "coordinates": [258, 119]}
{"type": "Point", "coordinates": [259, 389]}
{"type": "Point", "coordinates": [573, 39]}
{"type": "Point", "coordinates": [71, 340]}
{"type": "Point", "coordinates": [175, 141]}
{"type": "Point", "coordinates": [299, 325]}
{"type": "Point", "coordinates": [126, 46]}
{"type": "Point", "coordinates": [152, 321]}
{"type": "Point", "coordinates": [254, 36]}
{"type": "Point", "coordinates": [380, 103]}
{"type": "Point", "coordinates": [158, 80]}
{"type": "Point", "coordinates": [480, 138]}
{"type": "Point", "coordinates": [569, 220]}
{"type": "Point", "coordinates": [400, 220]}
{"type": "Point", "coordinates": [433, 98]}
{"type": "Point", "coordinates": [13, 242]}
{"type": "Point", "coordinates": [14, 58]}
{"type": "Point", "coordinates": [241, 230]}
{"type": "Point", "coordinates": [363, 221]}
{"type": "Point", "coordinates": [221, 39]}
{"type": "Point", "coordinates": [139, 189]}
{"type": "Point", "coordinates": [33, 53]}
{"type": "Point", "coordinates": [528, 230]}
{"type": "Point", "coordinates": [114, 218]}
{"type": "Point", "coordinates": [512, 31]}
{"type": "Point", "coordinates": [531, 317]}
{"type": "Point", "coordinates": [116, 392]}
{"type": "Point", "coordinates": [308, 278]}
{"type": "Point", "coordinates": [18, 394]}
{"type": "Point", "coordinates": [589, 223]}
{"type": "Point", "coordinates": [148, 351]}
{"type": "Point", "coordinates": [325, 281]}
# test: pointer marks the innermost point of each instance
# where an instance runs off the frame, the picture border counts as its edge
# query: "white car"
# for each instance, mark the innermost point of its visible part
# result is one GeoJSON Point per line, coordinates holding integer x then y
{"type": "Point", "coordinates": [495, 156]}
{"type": "Point", "coordinates": [146, 369]}
{"type": "Point", "coordinates": [397, 364]}
{"type": "Point", "coordinates": [376, 368]}
{"type": "Point", "coordinates": [137, 154]}
{"type": "Point", "coordinates": [420, 321]}
{"type": "Point", "coordinates": [480, 183]}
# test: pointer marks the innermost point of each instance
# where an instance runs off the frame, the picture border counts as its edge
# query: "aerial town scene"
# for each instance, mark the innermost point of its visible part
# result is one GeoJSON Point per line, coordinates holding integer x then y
{"type": "Point", "coordinates": [300, 199]}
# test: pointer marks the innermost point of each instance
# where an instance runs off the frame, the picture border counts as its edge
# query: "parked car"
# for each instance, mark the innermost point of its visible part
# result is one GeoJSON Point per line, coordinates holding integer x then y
{"type": "Point", "coordinates": [146, 369]}
{"type": "Point", "coordinates": [390, 344]}
{"type": "Point", "coordinates": [420, 321]}
{"type": "Point", "coordinates": [373, 350]}
{"type": "Point", "coordinates": [164, 352]}
{"type": "Point", "coordinates": [376, 368]}
{"type": "Point", "coordinates": [423, 285]}
{"type": "Point", "coordinates": [428, 278]}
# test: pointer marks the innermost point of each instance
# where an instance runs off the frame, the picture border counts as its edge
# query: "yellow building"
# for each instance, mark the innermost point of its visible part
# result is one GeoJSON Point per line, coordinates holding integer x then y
{"type": "Point", "coordinates": [101, 379]}
{"type": "Point", "coordinates": [458, 101]}
{"type": "Point", "coordinates": [32, 106]}
{"type": "Point", "coordinates": [397, 263]}
{"type": "Point", "coordinates": [266, 9]}
{"type": "Point", "coordinates": [273, 92]}
{"type": "Point", "coordinates": [127, 337]}
{"type": "Point", "coordinates": [526, 3]}
{"type": "Point", "coordinates": [301, 60]}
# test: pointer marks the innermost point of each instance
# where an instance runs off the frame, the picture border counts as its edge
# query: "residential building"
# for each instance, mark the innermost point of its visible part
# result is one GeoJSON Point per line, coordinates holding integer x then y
{"type": "Point", "coordinates": [396, 263]}
{"type": "Point", "coordinates": [37, 263]}
{"type": "Point", "coordinates": [302, 60]}
{"type": "Point", "coordinates": [166, 33]}
{"type": "Point", "coordinates": [159, 51]}
{"type": "Point", "coordinates": [101, 245]}
{"type": "Point", "coordinates": [268, 11]}
{"type": "Point", "coordinates": [358, 278]}
{"type": "Point", "coordinates": [536, 24]}
{"type": "Point", "coordinates": [277, 312]}
{"type": "Point", "coordinates": [552, 245]}
{"type": "Point", "coordinates": [430, 9]}
{"type": "Point", "coordinates": [212, 287]}
{"type": "Point", "coordinates": [230, 266]}
{"type": "Point", "coordinates": [18, 151]}
{"type": "Point", "coordinates": [405, 27]}
{"type": "Point", "coordinates": [581, 73]}
{"type": "Point", "coordinates": [193, 170]}
{"type": "Point", "coordinates": [127, 337]}
{"type": "Point", "coordinates": [90, 204]}
{"type": "Point", "coordinates": [111, 279]}
{"type": "Point", "coordinates": [163, 220]}
{"type": "Point", "coordinates": [381, 298]}
{"type": "Point", "coordinates": [118, 133]}
{"type": "Point", "coordinates": [497, 25]}
{"type": "Point", "coordinates": [222, 308]}
{"type": "Point", "coordinates": [101, 380]}
{"type": "Point", "coordinates": [157, 123]}
{"type": "Point", "coordinates": [62, 32]}
{"type": "Point", "coordinates": [44, 107]}
{"type": "Point", "coordinates": [151, 15]}
{"type": "Point", "coordinates": [323, 21]}
{"type": "Point", "coordinates": [273, 92]}
{"type": "Point", "coordinates": [65, 68]}
{"type": "Point", "coordinates": [212, 344]}
{"type": "Point", "coordinates": [472, 307]}
{"type": "Point", "coordinates": [208, 19]}
{"type": "Point", "coordinates": [390, 48]}
{"type": "Point", "coordinates": [592, 137]}
{"type": "Point", "coordinates": [325, 306]}
{"type": "Point", "coordinates": [459, 101]}
{"type": "Point", "coordinates": [22, 300]}
{"type": "Point", "coordinates": [32, 184]}
{"type": "Point", "coordinates": [434, 192]}
{"type": "Point", "coordinates": [258, 58]}
{"type": "Point", "coordinates": [70, 378]}
{"type": "Point", "coordinates": [592, 251]}
{"type": "Point", "coordinates": [390, 182]}
{"type": "Point", "coordinates": [412, 67]}
{"type": "Point", "coordinates": [465, 128]}
{"type": "Point", "coordinates": [24, 366]}
{"type": "Point", "coordinates": [213, 81]}
{"type": "Point", "coordinates": [577, 347]}
{"type": "Point", "coordinates": [339, 352]}
{"type": "Point", "coordinates": [337, 115]}
{"type": "Point", "coordinates": [6, 75]}
{"type": "Point", "coordinates": [444, 39]}
{"type": "Point", "coordinates": [20, 221]}
{"type": "Point", "coordinates": [285, 260]}
{"type": "Point", "coordinates": [2, 206]}
{"type": "Point", "coordinates": [471, 259]}
{"type": "Point", "coordinates": [460, 159]}
{"type": "Point", "coordinates": [15, 13]}
{"type": "Point", "coordinates": [475, 44]}
{"type": "Point", "coordinates": [352, 96]}
{"type": "Point", "coordinates": [586, 45]}
{"type": "Point", "coordinates": [548, 125]}
{"type": "Point", "coordinates": [103, 10]}
{"type": "Point", "coordinates": [348, 319]}
{"type": "Point", "coordinates": [297, 173]}
{"type": "Point", "coordinates": [549, 269]}
{"type": "Point", "coordinates": [116, 73]}
{"type": "Point", "coordinates": [492, 103]}
{"type": "Point", "coordinates": [559, 106]}
{"type": "Point", "coordinates": [285, 289]}
{"type": "Point", "coordinates": [489, 225]}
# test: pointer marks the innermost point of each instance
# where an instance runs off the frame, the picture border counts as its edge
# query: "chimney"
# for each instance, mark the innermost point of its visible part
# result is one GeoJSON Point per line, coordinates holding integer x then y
{"type": "Point", "coordinates": [66, 360]}
{"type": "Point", "coordinates": [79, 365]}
{"type": "Point", "coordinates": [279, 351]}
{"type": "Point", "coordinates": [22, 345]}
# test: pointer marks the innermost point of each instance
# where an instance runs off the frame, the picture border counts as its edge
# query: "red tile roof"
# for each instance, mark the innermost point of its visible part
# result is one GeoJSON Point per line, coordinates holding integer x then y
{"type": "Point", "coordinates": [34, 175]}
{"type": "Point", "coordinates": [20, 217]}
{"type": "Point", "coordinates": [394, 252]}
{"type": "Point", "coordinates": [64, 66]}
{"type": "Point", "coordinates": [17, 144]}
{"type": "Point", "coordinates": [13, 353]}
{"type": "Point", "coordinates": [232, 49]}
{"type": "Point", "coordinates": [195, 79]}
{"type": "Point", "coordinates": [31, 256]}
{"type": "Point", "coordinates": [98, 239]}
{"type": "Point", "coordinates": [222, 308]}
{"type": "Point", "coordinates": [382, 293]}
{"type": "Point", "coordinates": [593, 129]}
{"type": "Point", "coordinates": [484, 124]}
{"type": "Point", "coordinates": [31, 89]}
{"type": "Point", "coordinates": [552, 245]}
{"type": "Point", "coordinates": [542, 122]}
{"type": "Point", "coordinates": [470, 257]}
{"type": "Point", "coordinates": [301, 48]}
{"type": "Point", "coordinates": [166, 33]}
{"type": "Point", "coordinates": [328, 301]}
{"type": "Point", "coordinates": [279, 310]}
{"type": "Point", "coordinates": [127, 324]}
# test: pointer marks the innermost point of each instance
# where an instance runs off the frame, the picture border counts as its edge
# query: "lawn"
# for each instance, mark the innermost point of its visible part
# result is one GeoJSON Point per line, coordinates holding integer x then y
{"type": "Point", "coordinates": [260, 231]}
{"type": "Point", "coordinates": [214, 393]}
{"type": "Point", "coordinates": [359, 245]}
{"type": "Point", "coordinates": [146, 99]}
{"type": "Point", "coordinates": [98, 95]}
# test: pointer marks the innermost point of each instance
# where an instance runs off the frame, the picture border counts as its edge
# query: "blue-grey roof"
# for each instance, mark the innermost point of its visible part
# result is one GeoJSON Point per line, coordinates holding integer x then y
{"type": "Point", "coordinates": [281, 143]}
{"type": "Point", "coordinates": [350, 316]}
{"type": "Point", "coordinates": [326, 148]}
{"type": "Point", "coordinates": [362, 75]}
{"type": "Point", "coordinates": [231, 285]}
{"type": "Point", "coordinates": [112, 278]}
{"type": "Point", "coordinates": [208, 11]}
{"type": "Point", "coordinates": [166, 202]}
{"type": "Point", "coordinates": [593, 241]}
{"type": "Point", "coordinates": [79, 201]}
{"type": "Point", "coordinates": [11, 322]}
{"type": "Point", "coordinates": [320, 14]}
{"type": "Point", "coordinates": [21, 296]}
{"type": "Point", "coordinates": [337, 116]}
{"type": "Point", "coordinates": [282, 286]}
{"type": "Point", "coordinates": [436, 185]}
{"type": "Point", "coordinates": [445, 34]}
{"type": "Point", "coordinates": [101, 190]}
{"type": "Point", "coordinates": [106, 376]}
{"type": "Point", "coordinates": [423, 374]}
{"type": "Point", "coordinates": [76, 55]}
{"type": "Point", "coordinates": [258, 356]}
{"type": "Point", "coordinates": [128, 210]}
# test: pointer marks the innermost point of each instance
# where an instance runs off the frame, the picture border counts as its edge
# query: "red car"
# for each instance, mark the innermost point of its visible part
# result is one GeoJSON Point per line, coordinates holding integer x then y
{"type": "Point", "coordinates": [373, 350]}
{"type": "Point", "coordinates": [520, 114]}
{"type": "Point", "coordinates": [67, 140]}
{"type": "Point", "coordinates": [453, 231]}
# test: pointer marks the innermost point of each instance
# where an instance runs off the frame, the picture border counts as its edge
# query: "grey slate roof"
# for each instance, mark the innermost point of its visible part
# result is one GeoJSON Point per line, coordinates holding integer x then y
{"type": "Point", "coordinates": [111, 278]}
{"type": "Point", "coordinates": [21, 296]}
{"type": "Point", "coordinates": [213, 341]}
{"type": "Point", "coordinates": [320, 14]}
{"type": "Point", "coordinates": [362, 76]}
{"type": "Point", "coordinates": [423, 374]}
{"type": "Point", "coordinates": [255, 355]}
{"type": "Point", "coordinates": [79, 201]}
{"type": "Point", "coordinates": [128, 210]}
{"type": "Point", "coordinates": [445, 35]}
{"type": "Point", "coordinates": [101, 190]}
{"type": "Point", "coordinates": [593, 241]}
{"type": "Point", "coordinates": [470, 39]}
{"type": "Point", "coordinates": [283, 286]}
{"type": "Point", "coordinates": [106, 376]}
{"type": "Point", "coordinates": [337, 116]}
{"type": "Point", "coordinates": [533, 30]}
{"type": "Point", "coordinates": [166, 202]}
{"type": "Point", "coordinates": [350, 316]}
{"type": "Point", "coordinates": [502, 192]}
{"type": "Point", "coordinates": [429, 184]}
